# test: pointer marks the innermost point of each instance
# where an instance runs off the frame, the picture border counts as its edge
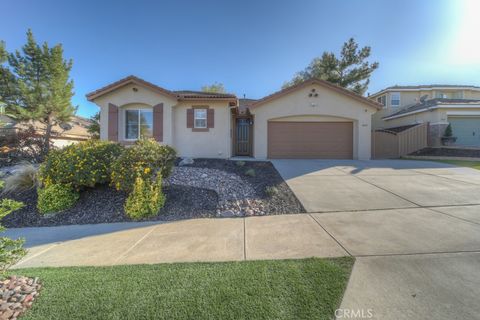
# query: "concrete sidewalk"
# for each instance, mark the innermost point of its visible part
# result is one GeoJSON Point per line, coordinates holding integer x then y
{"type": "Point", "coordinates": [271, 237]}
{"type": "Point", "coordinates": [359, 233]}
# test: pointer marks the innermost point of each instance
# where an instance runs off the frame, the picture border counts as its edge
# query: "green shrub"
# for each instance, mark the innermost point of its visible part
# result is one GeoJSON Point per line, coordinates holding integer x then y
{"type": "Point", "coordinates": [146, 199]}
{"type": "Point", "coordinates": [80, 165]}
{"type": "Point", "coordinates": [2, 184]}
{"type": "Point", "coordinates": [250, 172]}
{"type": "Point", "coordinates": [271, 191]}
{"type": "Point", "coordinates": [448, 131]}
{"type": "Point", "coordinates": [11, 251]}
{"type": "Point", "coordinates": [240, 163]}
{"type": "Point", "coordinates": [56, 198]}
{"type": "Point", "coordinates": [23, 179]}
{"type": "Point", "coordinates": [145, 158]}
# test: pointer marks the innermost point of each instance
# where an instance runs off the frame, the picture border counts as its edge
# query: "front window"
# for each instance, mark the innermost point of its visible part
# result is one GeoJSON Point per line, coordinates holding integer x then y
{"type": "Point", "coordinates": [395, 99]}
{"type": "Point", "coordinates": [200, 118]}
{"type": "Point", "coordinates": [138, 124]}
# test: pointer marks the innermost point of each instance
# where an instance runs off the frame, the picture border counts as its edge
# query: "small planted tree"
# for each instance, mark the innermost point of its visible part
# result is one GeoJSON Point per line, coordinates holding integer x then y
{"type": "Point", "coordinates": [11, 251]}
{"type": "Point", "coordinates": [94, 127]}
{"type": "Point", "coordinates": [448, 131]}
{"type": "Point", "coordinates": [448, 138]}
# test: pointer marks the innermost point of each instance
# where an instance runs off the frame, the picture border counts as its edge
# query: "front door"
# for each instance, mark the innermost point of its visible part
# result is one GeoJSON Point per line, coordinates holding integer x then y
{"type": "Point", "coordinates": [243, 137]}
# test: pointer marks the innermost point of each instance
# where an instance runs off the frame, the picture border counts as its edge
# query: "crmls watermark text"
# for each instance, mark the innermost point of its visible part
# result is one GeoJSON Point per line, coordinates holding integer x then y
{"type": "Point", "coordinates": [354, 313]}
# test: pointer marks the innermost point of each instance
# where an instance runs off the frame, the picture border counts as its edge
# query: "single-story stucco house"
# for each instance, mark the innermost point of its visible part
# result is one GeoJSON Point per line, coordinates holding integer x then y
{"type": "Point", "coordinates": [437, 105]}
{"type": "Point", "coordinates": [313, 119]}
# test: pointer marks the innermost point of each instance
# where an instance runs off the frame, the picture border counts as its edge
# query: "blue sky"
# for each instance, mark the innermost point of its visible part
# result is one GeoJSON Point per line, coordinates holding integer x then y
{"type": "Point", "coordinates": [250, 46]}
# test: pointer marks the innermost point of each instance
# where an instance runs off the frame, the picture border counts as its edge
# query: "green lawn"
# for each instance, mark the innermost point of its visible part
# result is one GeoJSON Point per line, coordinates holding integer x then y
{"type": "Point", "coordinates": [461, 163]}
{"type": "Point", "coordinates": [285, 289]}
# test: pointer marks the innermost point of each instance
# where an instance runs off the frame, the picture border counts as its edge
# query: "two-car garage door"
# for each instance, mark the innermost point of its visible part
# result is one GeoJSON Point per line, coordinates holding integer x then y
{"type": "Point", "coordinates": [307, 140]}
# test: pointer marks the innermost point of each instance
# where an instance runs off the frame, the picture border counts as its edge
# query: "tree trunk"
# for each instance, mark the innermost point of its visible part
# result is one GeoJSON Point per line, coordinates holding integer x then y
{"type": "Point", "coordinates": [46, 141]}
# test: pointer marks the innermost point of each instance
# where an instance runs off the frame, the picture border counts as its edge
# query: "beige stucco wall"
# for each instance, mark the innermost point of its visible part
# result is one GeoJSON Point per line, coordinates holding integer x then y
{"type": "Point", "coordinates": [329, 103]}
{"type": "Point", "coordinates": [214, 143]}
{"type": "Point", "coordinates": [125, 98]}
{"type": "Point", "coordinates": [471, 94]}
{"type": "Point", "coordinates": [435, 116]}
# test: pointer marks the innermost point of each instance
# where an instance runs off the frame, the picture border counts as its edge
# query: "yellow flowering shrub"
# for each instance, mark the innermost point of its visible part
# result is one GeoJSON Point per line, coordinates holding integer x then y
{"type": "Point", "coordinates": [146, 198]}
{"type": "Point", "coordinates": [80, 165]}
{"type": "Point", "coordinates": [56, 198]}
{"type": "Point", "coordinates": [144, 159]}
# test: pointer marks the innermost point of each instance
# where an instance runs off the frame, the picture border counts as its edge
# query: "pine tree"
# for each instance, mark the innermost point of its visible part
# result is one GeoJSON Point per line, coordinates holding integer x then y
{"type": "Point", "coordinates": [351, 70]}
{"type": "Point", "coordinates": [94, 127]}
{"type": "Point", "coordinates": [37, 86]}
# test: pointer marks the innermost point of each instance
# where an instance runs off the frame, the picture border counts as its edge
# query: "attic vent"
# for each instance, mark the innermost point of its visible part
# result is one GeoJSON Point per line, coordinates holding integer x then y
{"type": "Point", "coordinates": [313, 93]}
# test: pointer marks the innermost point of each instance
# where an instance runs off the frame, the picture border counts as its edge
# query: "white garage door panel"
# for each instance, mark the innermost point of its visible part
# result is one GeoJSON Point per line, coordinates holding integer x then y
{"type": "Point", "coordinates": [466, 129]}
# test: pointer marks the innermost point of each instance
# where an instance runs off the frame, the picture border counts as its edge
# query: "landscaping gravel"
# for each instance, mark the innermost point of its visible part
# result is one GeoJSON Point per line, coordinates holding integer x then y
{"type": "Point", "coordinates": [260, 176]}
{"type": "Point", "coordinates": [205, 188]}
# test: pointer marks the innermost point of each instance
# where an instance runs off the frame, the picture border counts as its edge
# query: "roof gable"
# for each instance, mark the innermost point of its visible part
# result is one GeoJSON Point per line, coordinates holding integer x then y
{"type": "Point", "coordinates": [319, 82]}
{"type": "Point", "coordinates": [126, 81]}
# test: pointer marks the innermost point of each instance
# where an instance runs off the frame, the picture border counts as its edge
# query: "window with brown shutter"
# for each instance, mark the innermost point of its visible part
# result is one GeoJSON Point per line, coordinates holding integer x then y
{"type": "Point", "coordinates": [112, 122]}
{"type": "Point", "coordinates": [189, 118]}
{"type": "Point", "coordinates": [200, 118]}
{"type": "Point", "coordinates": [210, 118]}
{"type": "Point", "coordinates": [158, 122]}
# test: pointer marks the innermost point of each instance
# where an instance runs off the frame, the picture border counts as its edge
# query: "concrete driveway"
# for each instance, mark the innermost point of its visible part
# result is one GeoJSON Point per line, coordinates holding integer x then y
{"type": "Point", "coordinates": [335, 185]}
{"type": "Point", "coordinates": [414, 227]}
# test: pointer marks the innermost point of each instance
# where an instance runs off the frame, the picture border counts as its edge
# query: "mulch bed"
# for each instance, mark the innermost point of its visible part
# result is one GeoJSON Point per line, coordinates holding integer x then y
{"type": "Point", "coordinates": [104, 204]}
{"type": "Point", "coordinates": [447, 152]}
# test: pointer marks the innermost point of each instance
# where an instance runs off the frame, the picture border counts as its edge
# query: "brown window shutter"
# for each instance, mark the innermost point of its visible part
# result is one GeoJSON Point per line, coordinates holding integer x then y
{"type": "Point", "coordinates": [210, 118]}
{"type": "Point", "coordinates": [189, 118]}
{"type": "Point", "coordinates": [112, 122]}
{"type": "Point", "coordinates": [158, 122]}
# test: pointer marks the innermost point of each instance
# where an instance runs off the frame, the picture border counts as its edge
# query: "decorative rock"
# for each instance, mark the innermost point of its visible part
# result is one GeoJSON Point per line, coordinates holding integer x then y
{"type": "Point", "coordinates": [237, 197]}
{"type": "Point", "coordinates": [186, 161]}
{"type": "Point", "coordinates": [18, 294]}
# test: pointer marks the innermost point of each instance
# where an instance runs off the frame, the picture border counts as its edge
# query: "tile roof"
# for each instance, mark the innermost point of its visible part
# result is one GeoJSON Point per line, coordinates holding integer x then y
{"type": "Point", "coordinates": [433, 102]}
{"type": "Point", "coordinates": [179, 95]}
{"type": "Point", "coordinates": [201, 94]}
{"type": "Point", "coordinates": [432, 86]}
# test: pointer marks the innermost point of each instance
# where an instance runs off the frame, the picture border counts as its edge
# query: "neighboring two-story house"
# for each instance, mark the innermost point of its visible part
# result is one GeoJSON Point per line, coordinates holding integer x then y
{"type": "Point", "coordinates": [439, 105]}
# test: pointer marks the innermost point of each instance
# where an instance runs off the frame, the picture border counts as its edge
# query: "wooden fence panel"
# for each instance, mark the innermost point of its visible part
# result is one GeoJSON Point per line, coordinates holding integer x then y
{"type": "Point", "coordinates": [389, 144]}
{"type": "Point", "coordinates": [385, 145]}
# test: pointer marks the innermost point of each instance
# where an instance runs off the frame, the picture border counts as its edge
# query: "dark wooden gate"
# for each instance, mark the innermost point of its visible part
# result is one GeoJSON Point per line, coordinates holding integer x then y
{"type": "Point", "coordinates": [243, 137]}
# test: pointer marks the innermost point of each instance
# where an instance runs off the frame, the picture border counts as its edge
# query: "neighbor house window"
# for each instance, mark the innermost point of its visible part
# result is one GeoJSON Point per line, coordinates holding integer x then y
{"type": "Point", "coordinates": [382, 100]}
{"type": "Point", "coordinates": [138, 124]}
{"type": "Point", "coordinates": [200, 118]}
{"type": "Point", "coordinates": [440, 94]}
{"type": "Point", "coordinates": [395, 99]}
